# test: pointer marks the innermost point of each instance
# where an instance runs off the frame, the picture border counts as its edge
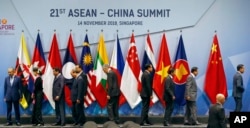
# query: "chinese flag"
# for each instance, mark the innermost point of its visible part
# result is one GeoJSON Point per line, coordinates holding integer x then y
{"type": "Point", "coordinates": [215, 80]}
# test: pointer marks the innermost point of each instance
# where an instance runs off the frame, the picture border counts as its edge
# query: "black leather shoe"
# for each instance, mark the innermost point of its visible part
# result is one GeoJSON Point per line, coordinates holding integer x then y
{"type": "Point", "coordinates": [55, 124]}
{"type": "Point", "coordinates": [142, 123]}
{"type": "Point", "coordinates": [197, 123]}
{"type": "Point", "coordinates": [166, 124]}
{"type": "Point", "coordinates": [186, 123]}
{"type": "Point", "coordinates": [62, 124]}
{"type": "Point", "coordinates": [75, 124]}
{"type": "Point", "coordinates": [8, 124]}
{"type": "Point", "coordinates": [18, 124]}
{"type": "Point", "coordinates": [149, 123]}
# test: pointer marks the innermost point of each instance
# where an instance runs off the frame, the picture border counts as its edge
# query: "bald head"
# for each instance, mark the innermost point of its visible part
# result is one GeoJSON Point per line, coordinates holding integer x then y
{"type": "Point", "coordinates": [220, 98]}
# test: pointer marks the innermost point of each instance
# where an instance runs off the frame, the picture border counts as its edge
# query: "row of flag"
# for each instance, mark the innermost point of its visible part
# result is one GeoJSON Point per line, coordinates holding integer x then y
{"type": "Point", "coordinates": [129, 70]}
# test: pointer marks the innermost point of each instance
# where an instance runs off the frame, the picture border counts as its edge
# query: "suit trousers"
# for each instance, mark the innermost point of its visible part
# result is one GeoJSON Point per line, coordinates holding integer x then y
{"type": "Point", "coordinates": [60, 111]}
{"type": "Point", "coordinates": [238, 104]}
{"type": "Point", "coordinates": [190, 115]}
{"type": "Point", "coordinates": [113, 105]}
{"type": "Point", "coordinates": [37, 109]}
{"type": "Point", "coordinates": [145, 109]}
{"type": "Point", "coordinates": [78, 112]}
{"type": "Point", "coordinates": [168, 110]}
{"type": "Point", "coordinates": [9, 109]}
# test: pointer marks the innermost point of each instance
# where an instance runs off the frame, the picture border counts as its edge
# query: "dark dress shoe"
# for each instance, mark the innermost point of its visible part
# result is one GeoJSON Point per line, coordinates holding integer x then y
{"type": "Point", "coordinates": [186, 123]}
{"type": "Point", "coordinates": [55, 124]}
{"type": "Point", "coordinates": [166, 124]}
{"type": "Point", "coordinates": [18, 124]}
{"type": "Point", "coordinates": [142, 123]}
{"type": "Point", "coordinates": [149, 123]}
{"type": "Point", "coordinates": [75, 124]}
{"type": "Point", "coordinates": [197, 123]}
{"type": "Point", "coordinates": [62, 124]}
{"type": "Point", "coordinates": [8, 124]}
{"type": "Point", "coordinates": [117, 122]}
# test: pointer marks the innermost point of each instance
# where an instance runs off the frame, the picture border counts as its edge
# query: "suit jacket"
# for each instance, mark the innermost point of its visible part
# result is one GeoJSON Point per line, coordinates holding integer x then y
{"type": "Point", "coordinates": [12, 92]}
{"type": "Point", "coordinates": [85, 83]}
{"type": "Point", "coordinates": [77, 89]}
{"type": "Point", "coordinates": [58, 87]}
{"type": "Point", "coordinates": [169, 89]}
{"type": "Point", "coordinates": [113, 85]}
{"type": "Point", "coordinates": [191, 88]}
{"type": "Point", "coordinates": [38, 85]}
{"type": "Point", "coordinates": [238, 88]}
{"type": "Point", "coordinates": [146, 81]}
{"type": "Point", "coordinates": [216, 117]}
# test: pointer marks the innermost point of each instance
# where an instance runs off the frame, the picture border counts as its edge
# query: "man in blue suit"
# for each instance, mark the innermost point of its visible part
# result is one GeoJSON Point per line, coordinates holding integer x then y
{"type": "Point", "coordinates": [238, 87]}
{"type": "Point", "coordinates": [12, 95]}
{"type": "Point", "coordinates": [58, 96]}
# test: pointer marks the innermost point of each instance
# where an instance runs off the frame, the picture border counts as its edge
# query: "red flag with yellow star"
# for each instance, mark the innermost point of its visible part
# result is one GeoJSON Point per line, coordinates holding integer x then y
{"type": "Point", "coordinates": [161, 71]}
{"type": "Point", "coordinates": [215, 80]}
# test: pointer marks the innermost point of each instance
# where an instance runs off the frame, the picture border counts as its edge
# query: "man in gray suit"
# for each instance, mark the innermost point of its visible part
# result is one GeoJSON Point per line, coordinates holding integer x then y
{"type": "Point", "coordinates": [58, 96]}
{"type": "Point", "coordinates": [238, 88]}
{"type": "Point", "coordinates": [217, 118]}
{"type": "Point", "coordinates": [169, 97]}
{"type": "Point", "coordinates": [12, 95]}
{"type": "Point", "coordinates": [190, 95]}
{"type": "Point", "coordinates": [113, 93]}
{"type": "Point", "coordinates": [146, 93]}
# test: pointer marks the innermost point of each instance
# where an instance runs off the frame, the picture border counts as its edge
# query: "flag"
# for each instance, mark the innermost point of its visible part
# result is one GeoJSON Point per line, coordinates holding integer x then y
{"type": "Point", "coordinates": [38, 61]}
{"type": "Point", "coordinates": [100, 77]}
{"type": "Point", "coordinates": [86, 62]}
{"type": "Point", "coordinates": [181, 73]}
{"type": "Point", "coordinates": [54, 60]}
{"type": "Point", "coordinates": [22, 70]}
{"type": "Point", "coordinates": [161, 72]}
{"type": "Point", "coordinates": [69, 62]}
{"type": "Point", "coordinates": [117, 64]}
{"type": "Point", "coordinates": [215, 80]}
{"type": "Point", "coordinates": [149, 58]}
{"type": "Point", "coordinates": [130, 83]}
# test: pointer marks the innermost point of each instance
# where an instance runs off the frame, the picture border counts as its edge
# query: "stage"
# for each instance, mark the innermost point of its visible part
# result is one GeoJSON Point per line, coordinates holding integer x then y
{"type": "Point", "coordinates": [177, 122]}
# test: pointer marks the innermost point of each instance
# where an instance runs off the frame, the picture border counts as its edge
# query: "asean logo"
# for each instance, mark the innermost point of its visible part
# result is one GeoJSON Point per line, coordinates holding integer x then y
{"type": "Point", "coordinates": [181, 71]}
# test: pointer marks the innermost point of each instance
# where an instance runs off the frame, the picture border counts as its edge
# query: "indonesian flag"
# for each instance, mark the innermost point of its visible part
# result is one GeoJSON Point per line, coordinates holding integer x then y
{"type": "Point", "coordinates": [54, 60]}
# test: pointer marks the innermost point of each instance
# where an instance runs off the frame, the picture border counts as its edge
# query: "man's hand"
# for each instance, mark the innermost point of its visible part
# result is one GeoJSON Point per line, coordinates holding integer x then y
{"type": "Point", "coordinates": [78, 101]}
{"type": "Point", "coordinates": [108, 97]}
{"type": "Point", "coordinates": [187, 97]}
{"type": "Point", "coordinates": [4, 99]}
{"type": "Point", "coordinates": [173, 97]}
{"type": "Point", "coordinates": [57, 98]}
{"type": "Point", "coordinates": [151, 97]}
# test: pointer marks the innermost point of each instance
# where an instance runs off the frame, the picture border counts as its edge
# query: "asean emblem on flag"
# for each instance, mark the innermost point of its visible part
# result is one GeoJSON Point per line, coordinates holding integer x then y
{"type": "Point", "coordinates": [181, 72]}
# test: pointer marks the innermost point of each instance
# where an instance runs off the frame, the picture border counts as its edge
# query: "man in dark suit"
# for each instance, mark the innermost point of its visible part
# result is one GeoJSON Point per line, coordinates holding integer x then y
{"type": "Point", "coordinates": [216, 118]}
{"type": "Point", "coordinates": [238, 88]}
{"type": "Point", "coordinates": [58, 96]}
{"type": "Point", "coordinates": [169, 96]}
{"type": "Point", "coordinates": [78, 92]}
{"type": "Point", "coordinates": [12, 95]}
{"type": "Point", "coordinates": [190, 95]}
{"type": "Point", "coordinates": [146, 93]}
{"type": "Point", "coordinates": [113, 93]}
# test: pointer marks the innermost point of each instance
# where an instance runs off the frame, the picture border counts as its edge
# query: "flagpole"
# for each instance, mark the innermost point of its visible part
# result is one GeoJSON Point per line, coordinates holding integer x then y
{"type": "Point", "coordinates": [86, 30]}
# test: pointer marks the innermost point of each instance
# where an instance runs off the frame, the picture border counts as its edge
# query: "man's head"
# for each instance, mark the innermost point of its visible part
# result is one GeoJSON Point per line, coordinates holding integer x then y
{"type": "Point", "coordinates": [105, 68]}
{"type": "Point", "coordinates": [194, 70]}
{"type": "Point", "coordinates": [11, 71]}
{"type": "Point", "coordinates": [149, 67]}
{"type": "Point", "coordinates": [56, 71]}
{"type": "Point", "coordinates": [220, 98]}
{"type": "Point", "coordinates": [78, 68]}
{"type": "Point", "coordinates": [171, 71]}
{"type": "Point", "coordinates": [240, 68]}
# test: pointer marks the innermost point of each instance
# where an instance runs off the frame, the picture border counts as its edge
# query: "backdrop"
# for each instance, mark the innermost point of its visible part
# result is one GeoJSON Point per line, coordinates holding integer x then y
{"type": "Point", "coordinates": [198, 21]}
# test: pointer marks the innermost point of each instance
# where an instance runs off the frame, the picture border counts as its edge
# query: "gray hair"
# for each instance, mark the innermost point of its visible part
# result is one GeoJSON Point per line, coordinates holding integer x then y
{"type": "Point", "coordinates": [105, 66]}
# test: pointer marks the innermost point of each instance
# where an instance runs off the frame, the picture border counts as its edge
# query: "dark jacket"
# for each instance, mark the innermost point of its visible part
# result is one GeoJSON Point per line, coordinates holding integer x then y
{"type": "Point", "coordinates": [216, 117]}
{"type": "Point", "coordinates": [146, 81]}
{"type": "Point", "coordinates": [238, 88]}
{"type": "Point", "coordinates": [113, 85]}
{"type": "Point", "coordinates": [169, 89]}
{"type": "Point", "coordinates": [58, 87]}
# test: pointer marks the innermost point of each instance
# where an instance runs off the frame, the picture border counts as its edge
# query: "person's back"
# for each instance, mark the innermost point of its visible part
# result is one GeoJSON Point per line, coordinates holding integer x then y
{"type": "Point", "coordinates": [216, 117]}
